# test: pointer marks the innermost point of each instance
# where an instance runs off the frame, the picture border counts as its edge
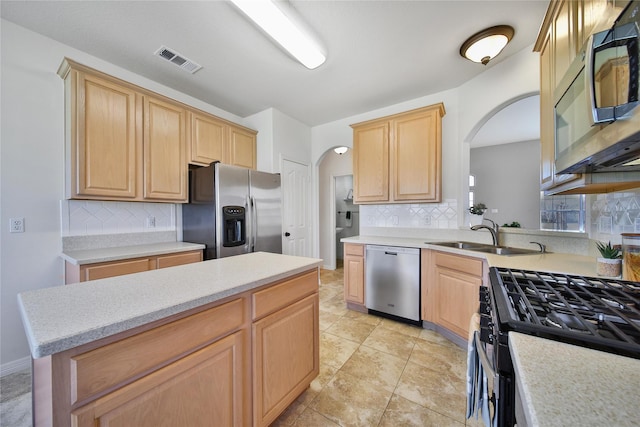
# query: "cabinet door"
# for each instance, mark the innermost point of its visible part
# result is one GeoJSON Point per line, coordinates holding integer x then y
{"type": "Point", "coordinates": [242, 148]}
{"type": "Point", "coordinates": [285, 358]}
{"type": "Point", "coordinates": [203, 389]}
{"type": "Point", "coordinates": [564, 38]}
{"type": "Point", "coordinates": [415, 157]}
{"type": "Point", "coordinates": [104, 141]}
{"type": "Point", "coordinates": [206, 139]}
{"type": "Point", "coordinates": [354, 273]}
{"type": "Point", "coordinates": [547, 133]}
{"type": "Point", "coordinates": [371, 163]}
{"type": "Point", "coordinates": [457, 299]}
{"type": "Point", "coordinates": [165, 166]}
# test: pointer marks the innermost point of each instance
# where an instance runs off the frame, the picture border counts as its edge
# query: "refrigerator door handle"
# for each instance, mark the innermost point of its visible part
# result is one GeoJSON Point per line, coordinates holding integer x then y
{"type": "Point", "coordinates": [249, 224]}
{"type": "Point", "coordinates": [254, 223]}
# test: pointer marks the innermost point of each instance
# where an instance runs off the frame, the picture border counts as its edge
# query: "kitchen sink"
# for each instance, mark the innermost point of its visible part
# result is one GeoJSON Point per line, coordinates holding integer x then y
{"type": "Point", "coordinates": [491, 249]}
{"type": "Point", "coordinates": [459, 245]}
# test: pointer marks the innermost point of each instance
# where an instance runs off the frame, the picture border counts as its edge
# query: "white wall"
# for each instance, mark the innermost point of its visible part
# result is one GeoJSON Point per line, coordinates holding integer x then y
{"type": "Point", "coordinates": [508, 180]}
{"type": "Point", "coordinates": [331, 165]}
{"type": "Point", "coordinates": [32, 165]}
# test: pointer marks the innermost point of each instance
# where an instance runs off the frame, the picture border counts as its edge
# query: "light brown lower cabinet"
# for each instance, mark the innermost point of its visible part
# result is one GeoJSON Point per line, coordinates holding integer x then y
{"type": "Point", "coordinates": [450, 293]}
{"type": "Point", "coordinates": [198, 390]}
{"type": "Point", "coordinates": [102, 270]}
{"type": "Point", "coordinates": [354, 274]}
{"type": "Point", "coordinates": [192, 369]}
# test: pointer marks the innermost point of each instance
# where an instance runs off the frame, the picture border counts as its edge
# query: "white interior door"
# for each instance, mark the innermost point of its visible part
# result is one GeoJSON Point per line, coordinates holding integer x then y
{"type": "Point", "coordinates": [296, 206]}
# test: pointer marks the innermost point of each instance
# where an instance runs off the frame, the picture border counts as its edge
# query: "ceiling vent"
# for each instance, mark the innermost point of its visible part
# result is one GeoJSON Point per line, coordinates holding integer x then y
{"type": "Point", "coordinates": [177, 59]}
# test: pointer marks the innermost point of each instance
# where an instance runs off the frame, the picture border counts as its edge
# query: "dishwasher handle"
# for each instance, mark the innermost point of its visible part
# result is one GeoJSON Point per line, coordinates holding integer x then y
{"type": "Point", "coordinates": [391, 253]}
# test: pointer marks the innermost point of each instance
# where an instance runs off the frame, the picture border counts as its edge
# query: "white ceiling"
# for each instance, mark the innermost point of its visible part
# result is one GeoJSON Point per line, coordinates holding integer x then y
{"type": "Point", "coordinates": [379, 52]}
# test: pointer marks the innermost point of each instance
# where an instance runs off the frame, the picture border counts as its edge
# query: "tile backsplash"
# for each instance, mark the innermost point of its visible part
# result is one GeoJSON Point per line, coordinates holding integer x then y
{"type": "Point", "coordinates": [90, 217]}
{"type": "Point", "coordinates": [614, 213]}
{"type": "Point", "coordinates": [427, 215]}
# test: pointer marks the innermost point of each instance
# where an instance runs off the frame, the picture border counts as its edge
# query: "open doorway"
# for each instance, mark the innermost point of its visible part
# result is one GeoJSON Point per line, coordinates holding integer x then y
{"type": "Point", "coordinates": [347, 215]}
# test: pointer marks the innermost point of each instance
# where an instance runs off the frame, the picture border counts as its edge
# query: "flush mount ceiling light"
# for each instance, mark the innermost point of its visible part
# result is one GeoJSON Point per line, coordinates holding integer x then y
{"type": "Point", "coordinates": [482, 47]}
{"type": "Point", "coordinates": [284, 28]}
{"type": "Point", "coordinates": [341, 150]}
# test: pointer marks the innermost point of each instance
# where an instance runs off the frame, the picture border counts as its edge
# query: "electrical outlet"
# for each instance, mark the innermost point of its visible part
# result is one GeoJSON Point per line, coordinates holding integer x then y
{"type": "Point", "coordinates": [151, 222]}
{"type": "Point", "coordinates": [16, 225]}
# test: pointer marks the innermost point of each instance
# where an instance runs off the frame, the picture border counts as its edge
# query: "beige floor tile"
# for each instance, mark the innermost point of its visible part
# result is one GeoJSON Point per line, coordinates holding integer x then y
{"type": "Point", "coordinates": [446, 357]}
{"type": "Point", "coordinates": [327, 319]}
{"type": "Point", "coordinates": [434, 389]}
{"type": "Point", "coordinates": [327, 372]}
{"type": "Point", "coordinates": [335, 305]}
{"type": "Point", "coordinates": [363, 317]}
{"type": "Point", "coordinates": [403, 413]}
{"type": "Point", "coordinates": [311, 418]}
{"type": "Point", "coordinates": [391, 342]}
{"type": "Point", "coordinates": [382, 369]}
{"type": "Point", "coordinates": [351, 401]}
{"type": "Point", "coordinates": [403, 328]}
{"type": "Point", "coordinates": [351, 329]}
{"type": "Point", "coordinates": [335, 351]}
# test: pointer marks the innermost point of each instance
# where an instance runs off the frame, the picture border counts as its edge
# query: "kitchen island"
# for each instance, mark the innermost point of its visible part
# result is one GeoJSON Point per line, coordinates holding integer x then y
{"type": "Point", "coordinates": [231, 341]}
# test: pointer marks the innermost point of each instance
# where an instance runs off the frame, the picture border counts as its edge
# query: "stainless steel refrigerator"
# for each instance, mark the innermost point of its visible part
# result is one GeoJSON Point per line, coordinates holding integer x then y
{"type": "Point", "coordinates": [233, 210]}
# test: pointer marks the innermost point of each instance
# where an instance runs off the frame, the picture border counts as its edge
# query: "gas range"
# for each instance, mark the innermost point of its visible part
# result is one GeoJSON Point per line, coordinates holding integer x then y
{"type": "Point", "coordinates": [594, 312]}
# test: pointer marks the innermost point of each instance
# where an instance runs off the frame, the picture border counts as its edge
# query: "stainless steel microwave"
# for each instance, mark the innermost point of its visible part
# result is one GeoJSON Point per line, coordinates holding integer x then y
{"type": "Point", "coordinates": [597, 113]}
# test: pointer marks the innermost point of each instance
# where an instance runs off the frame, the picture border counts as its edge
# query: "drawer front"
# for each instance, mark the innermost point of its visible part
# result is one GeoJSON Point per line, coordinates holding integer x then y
{"type": "Point", "coordinates": [275, 297]}
{"type": "Point", "coordinates": [179, 259]}
{"type": "Point", "coordinates": [468, 265]}
{"type": "Point", "coordinates": [351, 249]}
{"type": "Point", "coordinates": [116, 269]}
{"type": "Point", "coordinates": [124, 360]}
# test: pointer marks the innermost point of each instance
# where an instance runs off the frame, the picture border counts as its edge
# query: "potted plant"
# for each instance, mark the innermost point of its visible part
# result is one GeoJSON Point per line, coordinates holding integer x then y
{"type": "Point", "coordinates": [609, 263]}
{"type": "Point", "coordinates": [477, 213]}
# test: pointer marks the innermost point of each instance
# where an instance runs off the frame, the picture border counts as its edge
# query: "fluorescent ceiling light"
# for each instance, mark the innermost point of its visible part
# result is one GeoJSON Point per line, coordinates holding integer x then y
{"type": "Point", "coordinates": [282, 29]}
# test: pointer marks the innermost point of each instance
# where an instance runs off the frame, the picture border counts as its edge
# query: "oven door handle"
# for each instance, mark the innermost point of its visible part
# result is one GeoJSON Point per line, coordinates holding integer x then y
{"type": "Point", "coordinates": [484, 359]}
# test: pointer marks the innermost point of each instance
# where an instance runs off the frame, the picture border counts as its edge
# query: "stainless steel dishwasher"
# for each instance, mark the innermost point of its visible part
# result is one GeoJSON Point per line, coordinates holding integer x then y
{"type": "Point", "coordinates": [392, 281]}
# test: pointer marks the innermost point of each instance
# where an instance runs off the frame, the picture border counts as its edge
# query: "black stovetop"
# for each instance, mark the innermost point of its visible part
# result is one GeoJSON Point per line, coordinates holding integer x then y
{"type": "Point", "coordinates": [593, 312]}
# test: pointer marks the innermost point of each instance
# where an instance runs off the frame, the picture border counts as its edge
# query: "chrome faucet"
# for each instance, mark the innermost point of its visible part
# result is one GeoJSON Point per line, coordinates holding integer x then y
{"type": "Point", "coordinates": [493, 230]}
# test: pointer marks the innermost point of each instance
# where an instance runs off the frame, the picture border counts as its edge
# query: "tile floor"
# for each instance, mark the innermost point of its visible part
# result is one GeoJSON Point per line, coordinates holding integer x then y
{"type": "Point", "coordinates": [373, 372]}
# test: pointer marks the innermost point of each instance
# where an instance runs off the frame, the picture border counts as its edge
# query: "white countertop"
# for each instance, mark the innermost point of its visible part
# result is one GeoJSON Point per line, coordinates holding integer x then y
{"type": "Point", "coordinates": [551, 262]}
{"type": "Point", "coordinates": [91, 256]}
{"type": "Point", "coordinates": [63, 317]}
{"type": "Point", "coordinates": [566, 385]}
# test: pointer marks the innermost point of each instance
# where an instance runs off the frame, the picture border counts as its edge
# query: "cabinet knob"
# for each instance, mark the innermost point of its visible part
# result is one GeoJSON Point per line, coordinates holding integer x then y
{"type": "Point", "coordinates": [287, 234]}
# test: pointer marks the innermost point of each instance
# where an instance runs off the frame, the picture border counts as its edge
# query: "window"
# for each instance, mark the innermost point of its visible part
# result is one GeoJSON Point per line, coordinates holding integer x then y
{"type": "Point", "coordinates": [472, 185]}
{"type": "Point", "coordinates": [565, 213]}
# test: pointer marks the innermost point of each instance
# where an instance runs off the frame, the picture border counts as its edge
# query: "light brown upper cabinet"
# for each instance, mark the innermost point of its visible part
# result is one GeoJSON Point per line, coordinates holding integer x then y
{"type": "Point", "coordinates": [398, 159]}
{"type": "Point", "coordinates": [242, 147]}
{"type": "Point", "coordinates": [566, 27]}
{"type": "Point", "coordinates": [123, 142]}
{"type": "Point", "coordinates": [213, 139]}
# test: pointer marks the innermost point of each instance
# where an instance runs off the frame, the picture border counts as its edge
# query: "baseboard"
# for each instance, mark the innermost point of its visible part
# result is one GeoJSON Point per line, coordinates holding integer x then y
{"type": "Point", "coordinates": [15, 366]}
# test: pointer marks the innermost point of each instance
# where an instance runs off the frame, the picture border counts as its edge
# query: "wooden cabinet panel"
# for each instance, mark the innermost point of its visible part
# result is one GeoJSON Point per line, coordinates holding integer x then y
{"type": "Point", "coordinates": [207, 136]}
{"type": "Point", "coordinates": [286, 358]}
{"type": "Point", "coordinates": [172, 260]}
{"type": "Point", "coordinates": [417, 160]}
{"type": "Point", "coordinates": [371, 163]}
{"type": "Point", "coordinates": [202, 389]}
{"type": "Point", "coordinates": [242, 148]}
{"type": "Point", "coordinates": [104, 138]}
{"type": "Point", "coordinates": [279, 296]}
{"type": "Point", "coordinates": [112, 269]}
{"type": "Point", "coordinates": [354, 273]}
{"type": "Point", "coordinates": [450, 289]}
{"type": "Point", "coordinates": [82, 273]}
{"type": "Point", "coordinates": [458, 299]}
{"type": "Point", "coordinates": [397, 159]}
{"type": "Point", "coordinates": [113, 364]}
{"type": "Point", "coordinates": [165, 166]}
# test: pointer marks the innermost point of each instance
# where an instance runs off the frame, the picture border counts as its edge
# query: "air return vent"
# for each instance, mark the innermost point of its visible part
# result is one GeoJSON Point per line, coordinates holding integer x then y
{"type": "Point", "coordinates": [177, 59]}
